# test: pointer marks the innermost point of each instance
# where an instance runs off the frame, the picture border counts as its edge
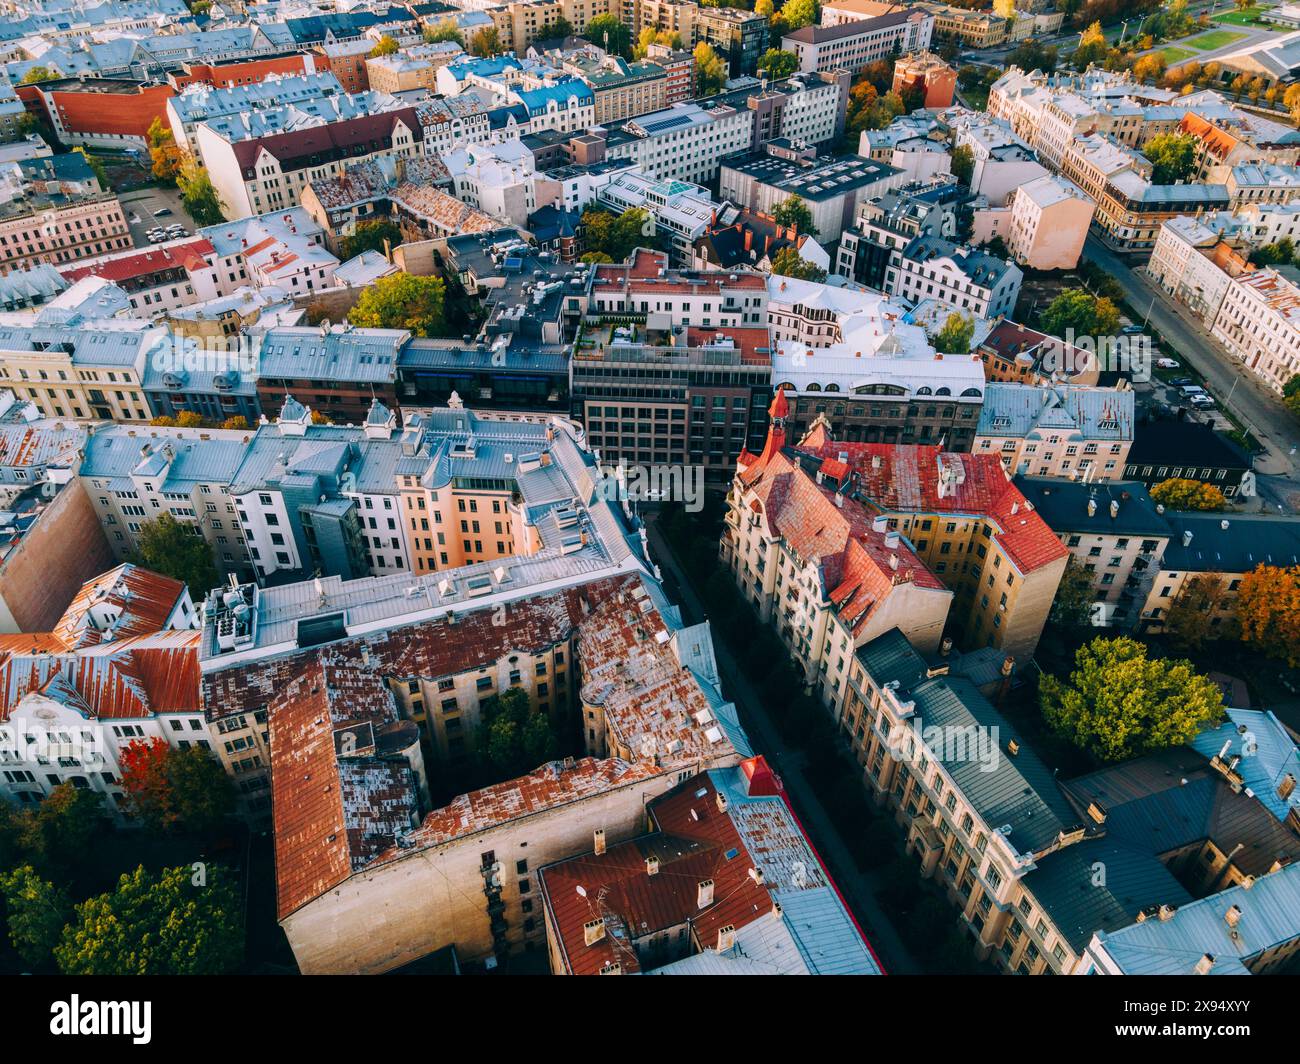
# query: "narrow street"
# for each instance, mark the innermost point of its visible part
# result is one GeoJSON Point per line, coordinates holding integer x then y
{"type": "Point", "coordinates": [1233, 385]}
{"type": "Point", "coordinates": [856, 886]}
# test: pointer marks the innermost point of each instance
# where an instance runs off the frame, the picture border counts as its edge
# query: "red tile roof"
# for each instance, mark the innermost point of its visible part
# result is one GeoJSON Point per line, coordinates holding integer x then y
{"type": "Point", "coordinates": [126, 679]}
{"type": "Point", "coordinates": [190, 256]}
{"type": "Point", "coordinates": [141, 599]}
{"type": "Point", "coordinates": [696, 841]}
{"type": "Point", "coordinates": [350, 138]}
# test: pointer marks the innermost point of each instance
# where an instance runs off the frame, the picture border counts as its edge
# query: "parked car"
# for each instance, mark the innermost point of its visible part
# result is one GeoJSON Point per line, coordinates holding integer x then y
{"type": "Point", "coordinates": [1179, 382]}
{"type": "Point", "coordinates": [1190, 390]}
{"type": "Point", "coordinates": [1202, 401]}
{"type": "Point", "coordinates": [1168, 363]}
{"type": "Point", "coordinates": [162, 212]}
{"type": "Point", "coordinates": [1132, 330]}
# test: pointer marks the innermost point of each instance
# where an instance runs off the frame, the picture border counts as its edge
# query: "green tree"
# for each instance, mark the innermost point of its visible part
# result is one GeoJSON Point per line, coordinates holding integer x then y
{"type": "Point", "coordinates": [611, 34]}
{"type": "Point", "coordinates": [385, 46]}
{"type": "Point", "coordinates": [403, 301]}
{"type": "Point", "coordinates": [796, 14]}
{"type": "Point", "coordinates": [1086, 314]}
{"type": "Point", "coordinates": [1291, 395]}
{"type": "Point", "coordinates": [596, 257]}
{"type": "Point", "coordinates": [1118, 703]}
{"type": "Point", "coordinates": [184, 921]}
{"type": "Point", "coordinates": [1189, 621]}
{"type": "Point", "coordinates": [615, 235]}
{"type": "Point", "coordinates": [444, 31]}
{"type": "Point", "coordinates": [792, 211]}
{"type": "Point", "coordinates": [1092, 47]}
{"type": "Point", "coordinates": [963, 164]}
{"type": "Point", "coordinates": [38, 912]}
{"type": "Point", "coordinates": [54, 835]}
{"type": "Point", "coordinates": [175, 549]}
{"type": "Point", "coordinates": [198, 195]}
{"type": "Point", "coordinates": [777, 64]}
{"type": "Point", "coordinates": [171, 789]}
{"type": "Point", "coordinates": [557, 30]}
{"type": "Point", "coordinates": [370, 236]}
{"type": "Point", "coordinates": [36, 74]}
{"type": "Point", "coordinates": [514, 738]}
{"type": "Point", "coordinates": [1173, 157]}
{"type": "Point", "coordinates": [1072, 606]}
{"type": "Point", "coordinates": [1183, 494]}
{"type": "Point", "coordinates": [485, 43]}
{"type": "Point", "coordinates": [650, 36]}
{"type": "Point", "coordinates": [165, 156]}
{"type": "Point", "coordinates": [710, 70]}
{"type": "Point", "coordinates": [956, 335]}
{"type": "Point", "coordinates": [764, 8]}
{"type": "Point", "coordinates": [789, 263]}
{"type": "Point", "coordinates": [1030, 56]}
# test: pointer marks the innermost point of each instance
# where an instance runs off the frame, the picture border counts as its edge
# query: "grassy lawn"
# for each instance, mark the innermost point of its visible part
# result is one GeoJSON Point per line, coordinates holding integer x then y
{"type": "Point", "coordinates": [1177, 55]}
{"type": "Point", "coordinates": [1207, 42]}
{"type": "Point", "coordinates": [1249, 17]}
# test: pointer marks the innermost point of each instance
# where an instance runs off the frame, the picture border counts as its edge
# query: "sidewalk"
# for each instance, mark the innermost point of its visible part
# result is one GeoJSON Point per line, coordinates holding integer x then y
{"type": "Point", "coordinates": [856, 886]}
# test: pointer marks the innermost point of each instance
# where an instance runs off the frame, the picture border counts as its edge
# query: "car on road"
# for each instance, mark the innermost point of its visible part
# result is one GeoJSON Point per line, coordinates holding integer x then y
{"type": "Point", "coordinates": [1168, 363]}
{"type": "Point", "coordinates": [1132, 330]}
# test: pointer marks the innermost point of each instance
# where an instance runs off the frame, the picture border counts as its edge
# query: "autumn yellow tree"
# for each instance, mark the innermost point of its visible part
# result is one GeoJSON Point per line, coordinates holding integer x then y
{"type": "Point", "coordinates": [1183, 494]}
{"type": "Point", "coordinates": [1268, 611]}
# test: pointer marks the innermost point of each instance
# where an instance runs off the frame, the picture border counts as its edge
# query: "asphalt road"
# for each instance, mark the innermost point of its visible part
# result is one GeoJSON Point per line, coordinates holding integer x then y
{"type": "Point", "coordinates": [1233, 385]}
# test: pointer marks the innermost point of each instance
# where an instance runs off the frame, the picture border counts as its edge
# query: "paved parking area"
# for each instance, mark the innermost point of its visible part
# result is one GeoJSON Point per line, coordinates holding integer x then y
{"type": "Point", "coordinates": [141, 207]}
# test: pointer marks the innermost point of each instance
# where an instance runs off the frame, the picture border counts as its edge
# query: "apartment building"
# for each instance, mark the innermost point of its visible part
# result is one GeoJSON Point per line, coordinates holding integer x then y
{"type": "Point", "coordinates": [847, 359]}
{"type": "Point", "coordinates": [680, 210]}
{"type": "Point", "coordinates": [92, 372]}
{"type": "Point", "coordinates": [1115, 531]}
{"type": "Point", "coordinates": [1058, 430]}
{"type": "Point", "coordinates": [161, 278]}
{"type": "Point", "coordinates": [622, 89]}
{"type": "Point", "coordinates": [1049, 222]}
{"type": "Point", "coordinates": [832, 187]}
{"type": "Point", "coordinates": [930, 267]}
{"type": "Point", "coordinates": [976, 29]}
{"type": "Point", "coordinates": [958, 513]}
{"type": "Point", "coordinates": [941, 758]}
{"type": "Point", "coordinates": [926, 73]}
{"type": "Point", "coordinates": [134, 474]}
{"type": "Point", "coordinates": [869, 252]}
{"type": "Point", "coordinates": [1259, 323]}
{"type": "Point", "coordinates": [71, 710]}
{"type": "Point", "coordinates": [1179, 450]}
{"type": "Point", "coordinates": [200, 102]}
{"type": "Point", "coordinates": [1195, 258]}
{"type": "Point", "coordinates": [520, 23]}
{"type": "Point", "coordinates": [855, 44]}
{"type": "Point", "coordinates": [824, 572]}
{"type": "Point", "coordinates": [411, 68]}
{"type": "Point", "coordinates": [55, 212]}
{"type": "Point", "coordinates": [734, 920]}
{"type": "Point", "coordinates": [684, 142]}
{"type": "Point", "coordinates": [260, 174]}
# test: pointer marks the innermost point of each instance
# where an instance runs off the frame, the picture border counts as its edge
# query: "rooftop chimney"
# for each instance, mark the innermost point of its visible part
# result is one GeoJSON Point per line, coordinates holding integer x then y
{"type": "Point", "coordinates": [1233, 915]}
{"type": "Point", "coordinates": [1187, 538]}
{"type": "Point", "coordinates": [1114, 508]}
{"type": "Point", "coordinates": [652, 865]}
{"type": "Point", "coordinates": [704, 895]}
{"type": "Point", "coordinates": [599, 841]}
{"type": "Point", "coordinates": [1204, 965]}
{"type": "Point", "coordinates": [593, 931]}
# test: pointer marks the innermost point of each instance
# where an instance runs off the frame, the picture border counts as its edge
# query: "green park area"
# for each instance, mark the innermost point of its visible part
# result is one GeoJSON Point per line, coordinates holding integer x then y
{"type": "Point", "coordinates": [1248, 17]}
{"type": "Point", "coordinates": [1207, 42]}
{"type": "Point", "coordinates": [1176, 55]}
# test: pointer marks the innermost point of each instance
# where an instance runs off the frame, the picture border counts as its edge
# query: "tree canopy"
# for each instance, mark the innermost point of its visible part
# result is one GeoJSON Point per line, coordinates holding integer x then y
{"type": "Point", "coordinates": [485, 43]}
{"type": "Point", "coordinates": [1192, 616]}
{"type": "Point", "coordinates": [1183, 494]}
{"type": "Point", "coordinates": [1072, 606]}
{"type": "Point", "coordinates": [370, 236]}
{"type": "Point", "coordinates": [514, 738]}
{"type": "Point", "coordinates": [403, 301]}
{"type": "Point", "coordinates": [175, 549]}
{"type": "Point", "coordinates": [170, 789]}
{"type": "Point", "coordinates": [182, 921]}
{"type": "Point", "coordinates": [1268, 611]}
{"type": "Point", "coordinates": [1118, 703]}
{"type": "Point", "coordinates": [1086, 314]}
{"type": "Point", "coordinates": [776, 63]}
{"type": "Point", "coordinates": [614, 235]}
{"type": "Point", "coordinates": [789, 263]}
{"type": "Point", "coordinates": [610, 33]}
{"type": "Point", "coordinates": [710, 70]}
{"type": "Point", "coordinates": [956, 335]}
{"type": "Point", "coordinates": [792, 211]}
{"type": "Point", "coordinates": [1172, 156]}
{"type": "Point", "coordinates": [37, 912]}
